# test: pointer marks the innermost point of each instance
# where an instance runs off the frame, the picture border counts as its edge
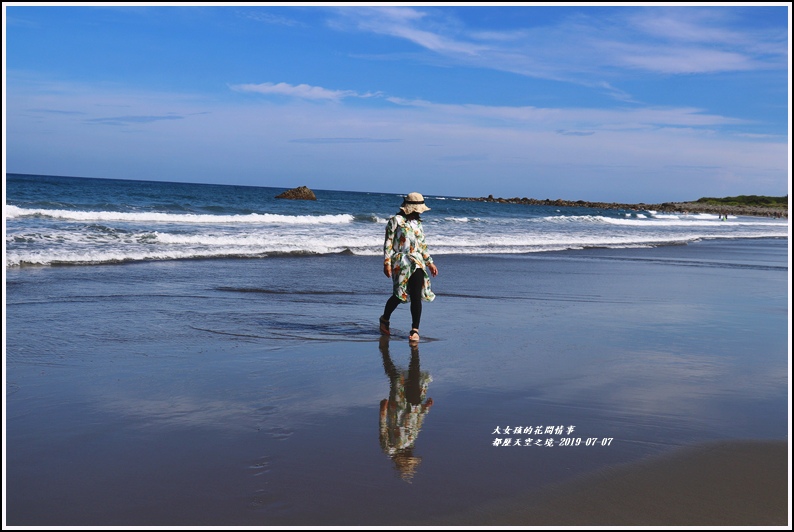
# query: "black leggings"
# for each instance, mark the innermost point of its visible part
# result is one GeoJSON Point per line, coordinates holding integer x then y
{"type": "Point", "coordinates": [415, 284]}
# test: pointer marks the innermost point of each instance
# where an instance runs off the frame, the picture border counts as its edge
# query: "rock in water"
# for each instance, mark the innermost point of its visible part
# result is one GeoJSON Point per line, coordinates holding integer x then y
{"type": "Point", "coordinates": [299, 193]}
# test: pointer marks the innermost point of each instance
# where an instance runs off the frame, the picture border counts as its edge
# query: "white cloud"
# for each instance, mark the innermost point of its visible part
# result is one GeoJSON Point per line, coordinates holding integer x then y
{"type": "Point", "coordinates": [587, 50]}
{"type": "Point", "coordinates": [684, 26]}
{"type": "Point", "coordinates": [404, 23]}
{"type": "Point", "coordinates": [553, 118]}
{"type": "Point", "coordinates": [302, 91]}
{"type": "Point", "coordinates": [687, 61]}
{"type": "Point", "coordinates": [434, 42]}
{"type": "Point", "coordinates": [270, 18]}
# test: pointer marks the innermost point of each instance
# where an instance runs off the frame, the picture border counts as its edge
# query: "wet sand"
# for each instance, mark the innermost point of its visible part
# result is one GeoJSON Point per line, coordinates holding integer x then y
{"type": "Point", "coordinates": [212, 393]}
{"type": "Point", "coordinates": [730, 483]}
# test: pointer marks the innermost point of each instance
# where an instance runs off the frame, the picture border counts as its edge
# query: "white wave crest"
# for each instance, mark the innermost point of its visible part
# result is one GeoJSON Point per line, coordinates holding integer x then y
{"type": "Point", "coordinates": [461, 219]}
{"type": "Point", "coordinates": [13, 211]}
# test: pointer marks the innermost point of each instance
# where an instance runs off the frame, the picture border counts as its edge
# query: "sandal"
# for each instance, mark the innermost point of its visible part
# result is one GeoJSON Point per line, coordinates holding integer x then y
{"type": "Point", "coordinates": [414, 335]}
{"type": "Point", "coordinates": [384, 326]}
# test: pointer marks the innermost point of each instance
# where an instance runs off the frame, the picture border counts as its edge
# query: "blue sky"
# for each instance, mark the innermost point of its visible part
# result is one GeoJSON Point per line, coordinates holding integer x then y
{"type": "Point", "coordinates": [591, 102]}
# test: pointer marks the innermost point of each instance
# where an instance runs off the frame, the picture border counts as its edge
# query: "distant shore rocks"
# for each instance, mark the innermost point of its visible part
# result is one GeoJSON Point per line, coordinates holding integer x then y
{"type": "Point", "coordinates": [685, 207]}
{"type": "Point", "coordinates": [299, 193]}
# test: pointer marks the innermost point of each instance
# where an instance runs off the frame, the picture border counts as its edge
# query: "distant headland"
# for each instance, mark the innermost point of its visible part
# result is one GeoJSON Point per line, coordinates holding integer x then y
{"type": "Point", "coordinates": [771, 206]}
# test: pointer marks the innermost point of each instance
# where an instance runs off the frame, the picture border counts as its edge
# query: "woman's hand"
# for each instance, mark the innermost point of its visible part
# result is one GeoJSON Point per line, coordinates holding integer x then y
{"type": "Point", "coordinates": [433, 269]}
{"type": "Point", "coordinates": [387, 269]}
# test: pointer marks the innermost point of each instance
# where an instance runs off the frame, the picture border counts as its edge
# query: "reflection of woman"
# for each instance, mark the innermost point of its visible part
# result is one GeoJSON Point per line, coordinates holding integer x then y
{"type": "Point", "coordinates": [402, 414]}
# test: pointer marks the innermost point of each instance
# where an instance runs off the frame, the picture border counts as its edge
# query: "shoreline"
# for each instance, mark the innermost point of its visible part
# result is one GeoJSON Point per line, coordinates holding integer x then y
{"type": "Point", "coordinates": [682, 207]}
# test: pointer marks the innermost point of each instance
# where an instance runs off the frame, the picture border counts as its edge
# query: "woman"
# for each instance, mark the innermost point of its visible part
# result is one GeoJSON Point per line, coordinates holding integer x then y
{"type": "Point", "coordinates": [407, 261]}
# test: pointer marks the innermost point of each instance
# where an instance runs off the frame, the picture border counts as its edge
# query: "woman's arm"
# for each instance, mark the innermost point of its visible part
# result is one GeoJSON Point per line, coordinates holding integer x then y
{"type": "Point", "coordinates": [425, 254]}
{"type": "Point", "coordinates": [388, 246]}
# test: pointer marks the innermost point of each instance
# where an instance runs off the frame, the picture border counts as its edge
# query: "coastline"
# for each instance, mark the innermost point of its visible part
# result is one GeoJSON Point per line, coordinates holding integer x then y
{"type": "Point", "coordinates": [681, 207]}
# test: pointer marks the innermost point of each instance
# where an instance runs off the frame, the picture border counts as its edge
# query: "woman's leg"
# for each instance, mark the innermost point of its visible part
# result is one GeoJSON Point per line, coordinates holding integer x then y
{"type": "Point", "coordinates": [415, 284]}
{"type": "Point", "coordinates": [391, 305]}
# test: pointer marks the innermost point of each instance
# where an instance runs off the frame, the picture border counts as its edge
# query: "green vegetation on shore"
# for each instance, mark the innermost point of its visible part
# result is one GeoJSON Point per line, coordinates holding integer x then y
{"type": "Point", "coordinates": [774, 206]}
{"type": "Point", "coordinates": [777, 202]}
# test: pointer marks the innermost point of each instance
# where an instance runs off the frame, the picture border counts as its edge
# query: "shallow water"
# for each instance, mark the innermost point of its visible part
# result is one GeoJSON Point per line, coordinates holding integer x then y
{"type": "Point", "coordinates": [247, 392]}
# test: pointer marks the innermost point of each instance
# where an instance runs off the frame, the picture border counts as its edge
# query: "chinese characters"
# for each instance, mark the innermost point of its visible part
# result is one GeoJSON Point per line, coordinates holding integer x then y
{"type": "Point", "coordinates": [544, 436]}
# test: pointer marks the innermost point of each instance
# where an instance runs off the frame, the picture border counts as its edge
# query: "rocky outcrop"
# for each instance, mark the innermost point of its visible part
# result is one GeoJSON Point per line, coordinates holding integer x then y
{"type": "Point", "coordinates": [688, 207]}
{"type": "Point", "coordinates": [299, 193]}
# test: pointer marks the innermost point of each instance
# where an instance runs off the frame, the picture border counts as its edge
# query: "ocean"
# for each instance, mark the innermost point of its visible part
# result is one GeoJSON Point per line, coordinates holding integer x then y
{"type": "Point", "coordinates": [66, 220]}
{"type": "Point", "coordinates": [208, 355]}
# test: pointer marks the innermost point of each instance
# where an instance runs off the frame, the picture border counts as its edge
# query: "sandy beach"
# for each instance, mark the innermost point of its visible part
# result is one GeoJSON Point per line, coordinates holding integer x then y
{"type": "Point", "coordinates": [195, 394]}
{"type": "Point", "coordinates": [720, 484]}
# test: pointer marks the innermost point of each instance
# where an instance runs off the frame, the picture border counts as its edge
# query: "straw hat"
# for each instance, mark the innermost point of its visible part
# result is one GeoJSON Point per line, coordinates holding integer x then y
{"type": "Point", "coordinates": [414, 202]}
{"type": "Point", "coordinates": [406, 465]}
